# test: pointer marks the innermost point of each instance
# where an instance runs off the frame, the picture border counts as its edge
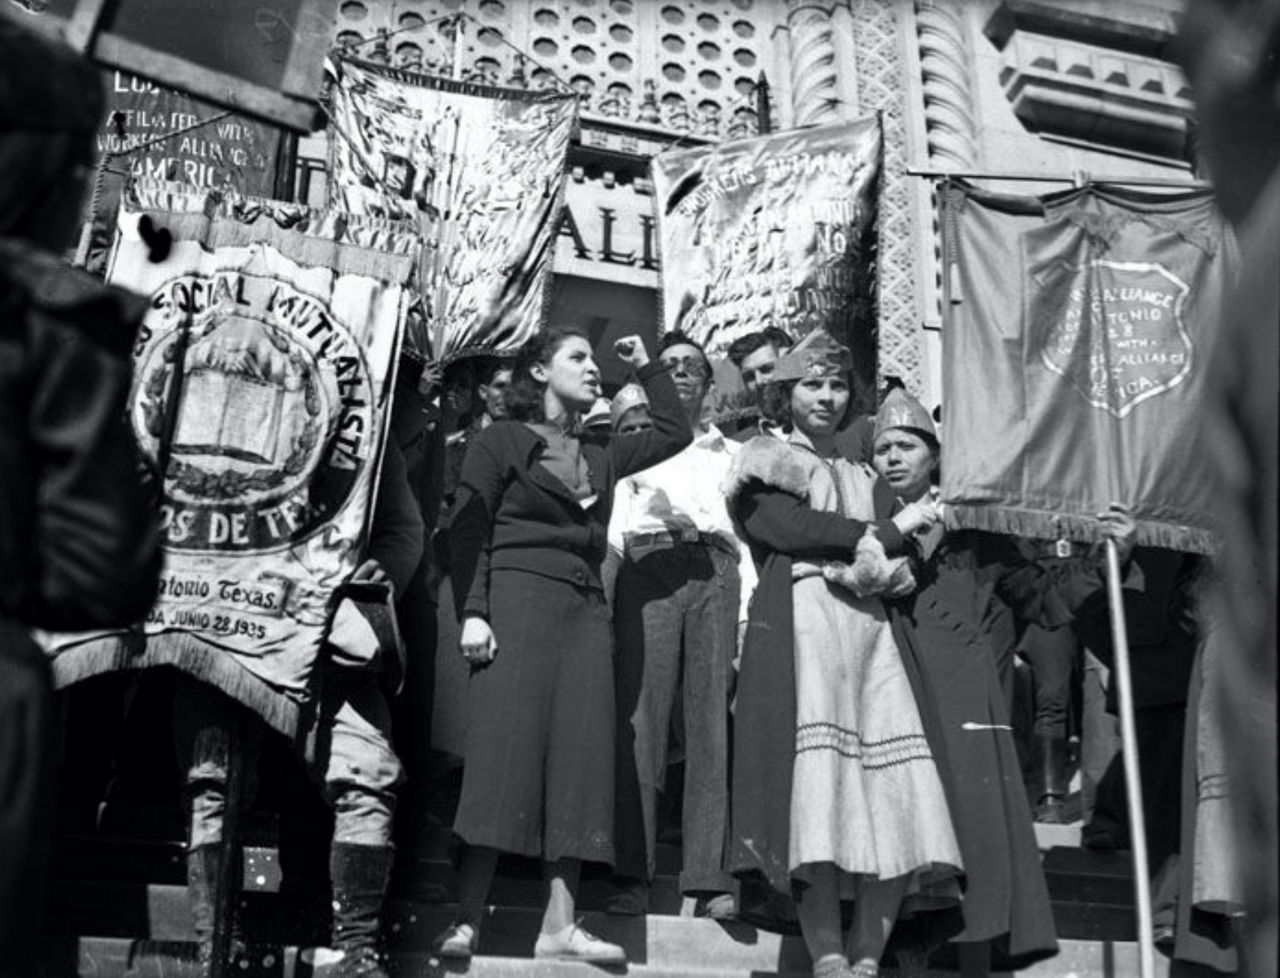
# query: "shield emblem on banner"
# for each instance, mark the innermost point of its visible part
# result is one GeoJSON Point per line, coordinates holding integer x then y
{"type": "Point", "coordinates": [1115, 332]}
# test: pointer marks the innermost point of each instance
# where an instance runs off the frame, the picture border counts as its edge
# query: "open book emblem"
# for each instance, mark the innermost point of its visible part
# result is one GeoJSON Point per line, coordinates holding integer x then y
{"type": "Point", "coordinates": [251, 415]}
{"type": "Point", "coordinates": [273, 425]}
{"type": "Point", "coordinates": [243, 386]}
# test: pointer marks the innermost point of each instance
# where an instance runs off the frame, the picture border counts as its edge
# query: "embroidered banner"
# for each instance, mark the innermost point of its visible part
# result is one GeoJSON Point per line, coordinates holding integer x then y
{"type": "Point", "coordinates": [772, 231]}
{"type": "Point", "coordinates": [287, 324]}
{"type": "Point", "coordinates": [481, 171]}
{"type": "Point", "coordinates": [1076, 332]}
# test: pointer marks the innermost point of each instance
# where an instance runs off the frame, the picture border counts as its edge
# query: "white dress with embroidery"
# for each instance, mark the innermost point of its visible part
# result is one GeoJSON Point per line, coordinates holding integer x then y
{"type": "Point", "coordinates": [865, 790]}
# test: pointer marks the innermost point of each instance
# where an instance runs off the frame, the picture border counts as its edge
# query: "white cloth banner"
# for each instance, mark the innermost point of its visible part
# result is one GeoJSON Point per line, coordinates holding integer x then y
{"type": "Point", "coordinates": [272, 431]}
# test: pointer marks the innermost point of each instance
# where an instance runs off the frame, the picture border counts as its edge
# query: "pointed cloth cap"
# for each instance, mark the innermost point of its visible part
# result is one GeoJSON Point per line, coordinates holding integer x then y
{"type": "Point", "coordinates": [817, 355]}
{"type": "Point", "coordinates": [630, 396]}
{"type": "Point", "coordinates": [599, 415]}
{"type": "Point", "coordinates": [901, 410]}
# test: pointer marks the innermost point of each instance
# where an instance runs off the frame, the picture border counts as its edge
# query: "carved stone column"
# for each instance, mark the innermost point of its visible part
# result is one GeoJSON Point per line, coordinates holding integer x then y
{"type": "Point", "coordinates": [815, 96]}
{"type": "Point", "coordinates": [948, 93]}
{"type": "Point", "coordinates": [780, 78]}
{"type": "Point", "coordinates": [882, 87]}
{"type": "Point", "coordinates": [946, 89]}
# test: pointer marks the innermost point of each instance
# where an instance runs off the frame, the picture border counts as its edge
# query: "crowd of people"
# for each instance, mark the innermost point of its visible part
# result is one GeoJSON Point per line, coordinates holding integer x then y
{"type": "Point", "coordinates": [779, 604]}
{"type": "Point", "coordinates": [779, 608]}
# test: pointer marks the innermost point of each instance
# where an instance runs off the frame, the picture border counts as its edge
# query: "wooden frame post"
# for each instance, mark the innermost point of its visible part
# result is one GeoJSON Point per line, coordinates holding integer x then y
{"type": "Point", "coordinates": [1129, 747]}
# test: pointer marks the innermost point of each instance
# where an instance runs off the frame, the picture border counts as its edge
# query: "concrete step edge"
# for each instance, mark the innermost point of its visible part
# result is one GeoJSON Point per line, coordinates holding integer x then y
{"type": "Point", "coordinates": [107, 957]}
{"type": "Point", "coordinates": [162, 914]}
{"type": "Point", "coordinates": [504, 890]}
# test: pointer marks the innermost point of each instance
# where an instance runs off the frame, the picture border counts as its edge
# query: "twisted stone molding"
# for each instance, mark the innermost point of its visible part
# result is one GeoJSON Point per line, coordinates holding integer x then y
{"type": "Point", "coordinates": [814, 76]}
{"type": "Point", "coordinates": [948, 95]}
{"type": "Point", "coordinates": [881, 88]}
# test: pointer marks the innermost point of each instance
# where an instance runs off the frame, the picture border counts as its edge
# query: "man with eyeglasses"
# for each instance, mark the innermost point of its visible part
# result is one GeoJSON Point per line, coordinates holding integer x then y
{"type": "Point", "coordinates": [680, 602]}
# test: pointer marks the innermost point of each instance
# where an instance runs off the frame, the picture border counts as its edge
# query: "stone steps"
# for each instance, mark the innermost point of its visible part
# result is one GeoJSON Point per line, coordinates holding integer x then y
{"type": "Point", "coordinates": [1092, 892]}
{"type": "Point", "coordinates": [119, 908]}
{"type": "Point", "coordinates": [159, 912]}
{"type": "Point", "coordinates": [128, 958]}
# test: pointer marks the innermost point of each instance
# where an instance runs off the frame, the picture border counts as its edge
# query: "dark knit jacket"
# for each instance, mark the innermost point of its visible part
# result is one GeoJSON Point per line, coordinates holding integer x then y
{"type": "Point", "coordinates": [513, 514]}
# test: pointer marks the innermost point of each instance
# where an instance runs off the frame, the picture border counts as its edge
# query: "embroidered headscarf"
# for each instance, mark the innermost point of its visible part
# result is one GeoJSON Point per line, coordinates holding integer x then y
{"type": "Point", "coordinates": [819, 354]}
{"type": "Point", "coordinates": [901, 410]}
{"type": "Point", "coordinates": [628, 398]}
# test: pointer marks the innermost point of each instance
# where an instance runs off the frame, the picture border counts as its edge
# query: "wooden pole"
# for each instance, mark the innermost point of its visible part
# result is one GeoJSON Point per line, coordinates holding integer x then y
{"type": "Point", "coordinates": [1079, 178]}
{"type": "Point", "coordinates": [85, 22]}
{"type": "Point", "coordinates": [226, 902]}
{"type": "Point", "coordinates": [764, 115]}
{"type": "Point", "coordinates": [1129, 747]}
{"type": "Point", "coordinates": [95, 199]}
{"type": "Point", "coordinates": [457, 48]}
{"type": "Point", "coordinates": [173, 402]}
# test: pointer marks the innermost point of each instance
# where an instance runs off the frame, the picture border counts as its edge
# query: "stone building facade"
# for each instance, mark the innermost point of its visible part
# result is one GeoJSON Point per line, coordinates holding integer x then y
{"type": "Point", "coordinates": [1047, 91]}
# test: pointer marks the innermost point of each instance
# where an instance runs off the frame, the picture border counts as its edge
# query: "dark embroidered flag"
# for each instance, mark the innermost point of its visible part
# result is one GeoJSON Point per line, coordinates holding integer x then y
{"type": "Point", "coordinates": [1076, 332]}
{"type": "Point", "coordinates": [480, 170]}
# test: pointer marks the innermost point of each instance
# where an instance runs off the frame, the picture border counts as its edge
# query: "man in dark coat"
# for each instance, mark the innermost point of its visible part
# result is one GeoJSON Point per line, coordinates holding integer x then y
{"type": "Point", "coordinates": [1051, 655]}
{"type": "Point", "coordinates": [1162, 644]}
{"type": "Point", "coordinates": [78, 531]}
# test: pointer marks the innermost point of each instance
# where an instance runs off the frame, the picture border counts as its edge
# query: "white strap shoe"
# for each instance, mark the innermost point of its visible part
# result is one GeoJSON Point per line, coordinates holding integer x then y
{"type": "Point", "coordinates": [575, 944]}
{"type": "Point", "coordinates": [458, 943]}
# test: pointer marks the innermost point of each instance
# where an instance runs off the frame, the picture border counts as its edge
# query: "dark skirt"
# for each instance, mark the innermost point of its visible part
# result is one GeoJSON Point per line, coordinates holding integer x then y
{"type": "Point", "coordinates": [1006, 899]}
{"type": "Point", "coordinates": [538, 778]}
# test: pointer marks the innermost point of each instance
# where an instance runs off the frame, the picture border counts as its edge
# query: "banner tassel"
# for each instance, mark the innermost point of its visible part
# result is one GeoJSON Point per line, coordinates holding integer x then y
{"type": "Point", "coordinates": [1038, 524]}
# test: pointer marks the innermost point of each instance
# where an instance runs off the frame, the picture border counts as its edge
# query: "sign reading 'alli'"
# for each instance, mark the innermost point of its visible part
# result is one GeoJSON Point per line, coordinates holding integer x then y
{"type": "Point", "coordinates": [1119, 338]}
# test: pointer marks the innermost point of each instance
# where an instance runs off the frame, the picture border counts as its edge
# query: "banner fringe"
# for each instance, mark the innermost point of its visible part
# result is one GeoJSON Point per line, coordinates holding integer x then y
{"type": "Point", "coordinates": [191, 655]}
{"type": "Point", "coordinates": [1045, 525]}
{"type": "Point", "coordinates": [420, 79]}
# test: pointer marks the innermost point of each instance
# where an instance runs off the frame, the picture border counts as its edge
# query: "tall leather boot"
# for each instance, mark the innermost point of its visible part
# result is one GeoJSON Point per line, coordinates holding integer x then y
{"type": "Point", "coordinates": [359, 874]}
{"type": "Point", "coordinates": [204, 872]}
{"type": "Point", "coordinates": [1052, 794]}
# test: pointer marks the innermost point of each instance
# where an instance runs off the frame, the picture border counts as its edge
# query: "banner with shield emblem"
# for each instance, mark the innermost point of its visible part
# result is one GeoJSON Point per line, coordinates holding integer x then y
{"type": "Point", "coordinates": [1077, 327]}
{"type": "Point", "coordinates": [262, 378]}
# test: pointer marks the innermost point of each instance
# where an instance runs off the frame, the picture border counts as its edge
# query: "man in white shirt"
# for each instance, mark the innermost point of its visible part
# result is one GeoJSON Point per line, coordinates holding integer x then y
{"type": "Point", "coordinates": [681, 595]}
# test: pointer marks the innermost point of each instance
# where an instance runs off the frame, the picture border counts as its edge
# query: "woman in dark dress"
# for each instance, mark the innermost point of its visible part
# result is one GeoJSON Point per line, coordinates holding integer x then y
{"type": "Point", "coordinates": [528, 537]}
{"type": "Point", "coordinates": [943, 631]}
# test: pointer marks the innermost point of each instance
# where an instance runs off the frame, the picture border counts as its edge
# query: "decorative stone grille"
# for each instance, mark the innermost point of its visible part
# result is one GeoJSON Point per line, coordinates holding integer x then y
{"type": "Point", "coordinates": [654, 71]}
{"type": "Point", "coordinates": [689, 66]}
